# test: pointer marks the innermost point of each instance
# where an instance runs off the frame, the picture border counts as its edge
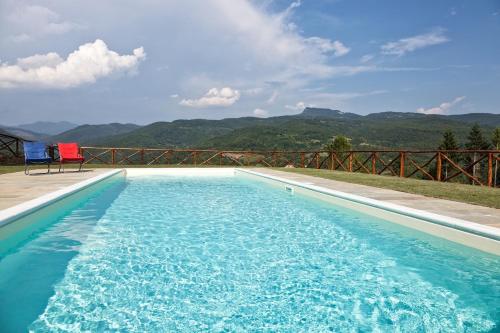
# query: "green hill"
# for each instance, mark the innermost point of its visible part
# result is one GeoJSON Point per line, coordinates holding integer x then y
{"type": "Point", "coordinates": [308, 130]}
{"type": "Point", "coordinates": [87, 134]}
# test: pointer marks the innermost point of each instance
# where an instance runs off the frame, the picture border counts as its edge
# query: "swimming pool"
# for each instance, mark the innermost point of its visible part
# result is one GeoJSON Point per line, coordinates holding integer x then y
{"type": "Point", "coordinates": [225, 253]}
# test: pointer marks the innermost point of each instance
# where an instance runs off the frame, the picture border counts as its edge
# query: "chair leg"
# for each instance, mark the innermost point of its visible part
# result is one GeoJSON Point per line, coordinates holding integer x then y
{"type": "Point", "coordinates": [80, 168]}
{"type": "Point", "coordinates": [48, 168]}
{"type": "Point", "coordinates": [60, 165]}
{"type": "Point", "coordinates": [26, 169]}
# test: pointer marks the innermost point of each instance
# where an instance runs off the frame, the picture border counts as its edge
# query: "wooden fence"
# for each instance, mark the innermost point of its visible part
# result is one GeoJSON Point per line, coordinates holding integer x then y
{"type": "Point", "coordinates": [480, 167]}
{"type": "Point", "coordinates": [10, 148]}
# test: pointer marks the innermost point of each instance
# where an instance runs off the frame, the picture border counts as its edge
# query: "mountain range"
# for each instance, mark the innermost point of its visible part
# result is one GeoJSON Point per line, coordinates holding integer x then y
{"type": "Point", "coordinates": [47, 127]}
{"type": "Point", "coordinates": [310, 129]}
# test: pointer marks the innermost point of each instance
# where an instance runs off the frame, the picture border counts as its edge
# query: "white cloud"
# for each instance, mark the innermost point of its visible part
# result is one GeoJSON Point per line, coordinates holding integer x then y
{"type": "Point", "coordinates": [174, 96]}
{"type": "Point", "coordinates": [366, 58]}
{"type": "Point", "coordinates": [260, 113]}
{"type": "Point", "coordinates": [264, 43]}
{"type": "Point", "coordinates": [327, 46]}
{"type": "Point", "coordinates": [443, 108]}
{"type": "Point", "coordinates": [214, 97]}
{"type": "Point", "coordinates": [87, 64]}
{"type": "Point", "coordinates": [299, 106]}
{"type": "Point", "coordinates": [32, 21]}
{"type": "Point", "coordinates": [411, 44]}
{"type": "Point", "coordinates": [253, 91]}
{"type": "Point", "coordinates": [273, 97]}
{"type": "Point", "coordinates": [51, 59]}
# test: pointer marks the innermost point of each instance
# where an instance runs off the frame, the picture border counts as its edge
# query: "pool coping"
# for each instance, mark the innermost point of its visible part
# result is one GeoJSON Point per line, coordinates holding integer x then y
{"type": "Point", "coordinates": [442, 220]}
{"type": "Point", "coordinates": [13, 213]}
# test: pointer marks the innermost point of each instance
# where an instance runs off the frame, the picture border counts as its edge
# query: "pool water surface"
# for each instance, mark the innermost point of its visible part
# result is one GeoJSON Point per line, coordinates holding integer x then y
{"type": "Point", "coordinates": [163, 254]}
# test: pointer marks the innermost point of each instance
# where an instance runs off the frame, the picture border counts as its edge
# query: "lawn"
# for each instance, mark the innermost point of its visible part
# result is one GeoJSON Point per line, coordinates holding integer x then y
{"type": "Point", "coordinates": [479, 195]}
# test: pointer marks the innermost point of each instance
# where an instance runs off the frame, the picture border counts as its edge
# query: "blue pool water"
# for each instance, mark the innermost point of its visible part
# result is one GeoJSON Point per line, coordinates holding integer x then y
{"type": "Point", "coordinates": [166, 254]}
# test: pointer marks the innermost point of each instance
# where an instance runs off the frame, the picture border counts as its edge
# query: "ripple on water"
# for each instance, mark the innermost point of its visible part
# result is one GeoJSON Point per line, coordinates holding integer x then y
{"type": "Point", "coordinates": [225, 254]}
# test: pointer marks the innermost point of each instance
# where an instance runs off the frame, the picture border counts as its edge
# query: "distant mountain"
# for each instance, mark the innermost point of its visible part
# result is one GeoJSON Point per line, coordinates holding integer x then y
{"type": "Point", "coordinates": [22, 133]}
{"type": "Point", "coordinates": [47, 127]}
{"type": "Point", "coordinates": [486, 119]}
{"type": "Point", "coordinates": [307, 130]}
{"type": "Point", "coordinates": [179, 133]}
{"type": "Point", "coordinates": [88, 134]}
{"type": "Point", "coordinates": [327, 113]}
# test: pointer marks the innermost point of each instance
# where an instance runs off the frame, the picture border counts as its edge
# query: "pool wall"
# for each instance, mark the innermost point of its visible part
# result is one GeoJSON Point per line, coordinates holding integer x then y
{"type": "Point", "coordinates": [467, 233]}
{"type": "Point", "coordinates": [16, 212]}
{"type": "Point", "coordinates": [188, 172]}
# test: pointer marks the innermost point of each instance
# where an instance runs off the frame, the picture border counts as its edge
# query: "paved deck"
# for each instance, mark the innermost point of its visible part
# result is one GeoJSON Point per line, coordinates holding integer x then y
{"type": "Point", "coordinates": [473, 213]}
{"type": "Point", "coordinates": [16, 188]}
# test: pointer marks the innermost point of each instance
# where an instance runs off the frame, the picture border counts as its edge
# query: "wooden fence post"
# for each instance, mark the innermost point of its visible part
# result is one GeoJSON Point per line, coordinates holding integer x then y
{"type": "Point", "coordinates": [374, 163]}
{"type": "Point", "coordinates": [439, 165]}
{"type": "Point", "coordinates": [350, 161]}
{"type": "Point", "coordinates": [490, 169]}
{"type": "Point", "coordinates": [402, 156]}
{"type": "Point", "coordinates": [317, 160]}
{"type": "Point", "coordinates": [142, 156]}
{"type": "Point", "coordinates": [113, 156]}
{"type": "Point", "coordinates": [302, 160]}
{"type": "Point", "coordinates": [331, 161]}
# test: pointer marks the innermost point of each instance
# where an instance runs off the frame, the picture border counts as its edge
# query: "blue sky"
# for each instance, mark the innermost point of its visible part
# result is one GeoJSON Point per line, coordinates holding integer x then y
{"type": "Point", "coordinates": [144, 61]}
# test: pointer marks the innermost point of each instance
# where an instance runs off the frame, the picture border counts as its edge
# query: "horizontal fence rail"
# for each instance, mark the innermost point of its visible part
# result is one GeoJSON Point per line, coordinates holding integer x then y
{"type": "Point", "coordinates": [479, 167]}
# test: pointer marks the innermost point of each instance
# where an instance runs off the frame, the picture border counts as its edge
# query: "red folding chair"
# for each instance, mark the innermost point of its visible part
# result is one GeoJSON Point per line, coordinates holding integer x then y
{"type": "Point", "coordinates": [69, 153]}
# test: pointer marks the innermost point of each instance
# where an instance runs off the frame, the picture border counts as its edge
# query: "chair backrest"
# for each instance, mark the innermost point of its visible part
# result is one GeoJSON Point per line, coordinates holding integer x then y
{"type": "Point", "coordinates": [35, 150]}
{"type": "Point", "coordinates": [68, 150]}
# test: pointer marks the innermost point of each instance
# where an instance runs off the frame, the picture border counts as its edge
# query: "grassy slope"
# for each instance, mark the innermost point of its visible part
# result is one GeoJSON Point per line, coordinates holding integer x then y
{"type": "Point", "coordinates": [478, 195]}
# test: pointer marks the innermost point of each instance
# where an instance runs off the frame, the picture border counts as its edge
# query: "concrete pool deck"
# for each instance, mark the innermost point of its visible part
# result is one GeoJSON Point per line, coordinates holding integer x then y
{"type": "Point", "coordinates": [17, 188]}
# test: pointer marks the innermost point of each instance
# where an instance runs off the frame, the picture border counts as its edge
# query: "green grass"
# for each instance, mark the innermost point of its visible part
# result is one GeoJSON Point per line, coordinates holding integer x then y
{"type": "Point", "coordinates": [478, 195]}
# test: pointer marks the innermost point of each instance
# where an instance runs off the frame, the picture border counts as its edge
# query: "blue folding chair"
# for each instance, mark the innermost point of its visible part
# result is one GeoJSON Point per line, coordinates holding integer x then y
{"type": "Point", "coordinates": [35, 153]}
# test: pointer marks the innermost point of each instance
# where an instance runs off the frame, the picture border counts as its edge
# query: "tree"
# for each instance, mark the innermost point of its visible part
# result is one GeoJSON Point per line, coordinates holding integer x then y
{"type": "Point", "coordinates": [476, 141]}
{"type": "Point", "coordinates": [338, 143]}
{"type": "Point", "coordinates": [495, 140]}
{"type": "Point", "coordinates": [449, 143]}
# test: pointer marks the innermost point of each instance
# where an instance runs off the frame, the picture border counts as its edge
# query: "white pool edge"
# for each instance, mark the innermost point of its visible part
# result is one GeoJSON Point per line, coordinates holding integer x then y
{"type": "Point", "coordinates": [472, 234]}
{"type": "Point", "coordinates": [13, 213]}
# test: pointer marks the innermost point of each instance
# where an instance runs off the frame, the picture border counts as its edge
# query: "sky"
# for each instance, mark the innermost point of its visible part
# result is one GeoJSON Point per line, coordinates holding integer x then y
{"type": "Point", "coordinates": [96, 61]}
